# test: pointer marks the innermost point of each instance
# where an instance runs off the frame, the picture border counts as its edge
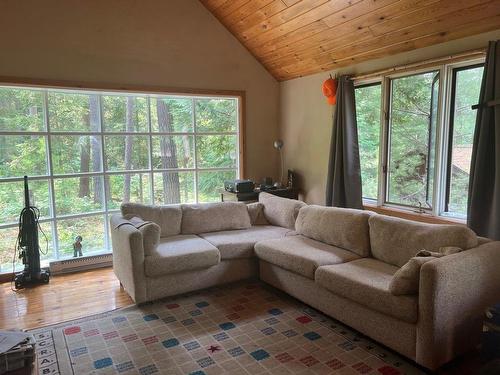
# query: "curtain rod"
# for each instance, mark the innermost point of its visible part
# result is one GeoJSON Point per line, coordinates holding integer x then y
{"type": "Point", "coordinates": [422, 64]}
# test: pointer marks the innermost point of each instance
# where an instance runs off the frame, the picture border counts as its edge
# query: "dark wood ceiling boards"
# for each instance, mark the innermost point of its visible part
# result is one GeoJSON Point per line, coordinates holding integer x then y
{"type": "Point", "coordinates": [293, 38]}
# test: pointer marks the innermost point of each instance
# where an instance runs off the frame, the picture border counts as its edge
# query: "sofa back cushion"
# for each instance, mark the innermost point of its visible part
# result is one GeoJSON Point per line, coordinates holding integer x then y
{"type": "Point", "coordinates": [396, 241]}
{"type": "Point", "coordinates": [342, 227]}
{"type": "Point", "coordinates": [167, 217]}
{"type": "Point", "coordinates": [280, 211]}
{"type": "Point", "coordinates": [214, 217]}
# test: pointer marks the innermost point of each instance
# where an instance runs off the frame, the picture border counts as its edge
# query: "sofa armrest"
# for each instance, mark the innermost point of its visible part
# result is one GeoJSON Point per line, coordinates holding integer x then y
{"type": "Point", "coordinates": [453, 293]}
{"type": "Point", "coordinates": [128, 258]}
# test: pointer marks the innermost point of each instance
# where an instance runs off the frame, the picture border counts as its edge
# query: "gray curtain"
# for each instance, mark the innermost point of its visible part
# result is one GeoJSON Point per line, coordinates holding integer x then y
{"type": "Point", "coordinates": [343, 187]}
{"type": "Point", "coordinates": [483, 211]}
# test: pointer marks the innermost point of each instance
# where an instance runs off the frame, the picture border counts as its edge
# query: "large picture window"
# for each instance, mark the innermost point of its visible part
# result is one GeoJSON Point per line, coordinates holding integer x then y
{"type": "Point", "coordinates": [87, 152]}
{"type": "Point", "coordinates": [427, 129]}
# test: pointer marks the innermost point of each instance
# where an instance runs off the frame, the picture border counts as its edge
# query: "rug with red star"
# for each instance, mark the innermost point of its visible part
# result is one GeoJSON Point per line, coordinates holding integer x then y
{"type": "Point", "coordinates": [243, 328]}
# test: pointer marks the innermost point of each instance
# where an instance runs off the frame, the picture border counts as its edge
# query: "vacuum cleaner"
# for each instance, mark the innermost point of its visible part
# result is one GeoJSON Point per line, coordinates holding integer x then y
{"type": "Point", "coordinates": [27, 245]}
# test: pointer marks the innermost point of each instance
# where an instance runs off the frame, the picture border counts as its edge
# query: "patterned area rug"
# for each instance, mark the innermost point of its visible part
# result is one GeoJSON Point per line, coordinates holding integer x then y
{"type": "Point", "coordinates": [243, 328]}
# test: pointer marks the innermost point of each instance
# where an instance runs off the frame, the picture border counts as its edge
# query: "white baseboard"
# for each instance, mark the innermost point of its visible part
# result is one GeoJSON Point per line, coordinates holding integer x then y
{"type": "Point", "coordinates": [80, 264]}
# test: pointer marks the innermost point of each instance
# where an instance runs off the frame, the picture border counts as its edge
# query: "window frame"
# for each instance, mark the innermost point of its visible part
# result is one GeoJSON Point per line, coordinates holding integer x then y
{"type": "Point", "coordinates": [451, 123]}
{"type": "Point", "coordinates": [442, 157]}
{"type": "Point", "coordinates": [371, 83]}
{"type": "Point", "coordinates": [387, 119]}
{"type": "Point", "coordinates": [151, 171]}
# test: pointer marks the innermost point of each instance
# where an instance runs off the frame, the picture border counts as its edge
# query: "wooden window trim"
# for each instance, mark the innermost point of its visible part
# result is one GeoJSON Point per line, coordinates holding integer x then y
{"type": "Point", "coordinates": [405, 214]}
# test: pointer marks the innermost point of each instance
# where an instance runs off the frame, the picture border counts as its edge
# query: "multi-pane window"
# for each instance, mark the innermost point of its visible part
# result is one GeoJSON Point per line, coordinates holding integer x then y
{"type": "Point", "coordinates": [368, 99]}
{"type": "Point", "coordinates": [427, 129]}
{"type": "Point", "coordinates": [87, 152]}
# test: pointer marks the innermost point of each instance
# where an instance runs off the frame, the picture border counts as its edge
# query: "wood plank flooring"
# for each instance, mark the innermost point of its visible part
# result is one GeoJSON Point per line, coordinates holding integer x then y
{"type": "Point", "coordinates": [66, 297]}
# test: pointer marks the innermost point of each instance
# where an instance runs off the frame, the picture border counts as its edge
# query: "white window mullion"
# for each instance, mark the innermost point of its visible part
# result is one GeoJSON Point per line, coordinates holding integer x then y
{"type": "Point", "coordinates": [195, 150]}
{"type": "Point", "coordinates": [104, 175]}
{"type": "Point", "coordinates": [150, 156]}
{"type": "Point", "coordinates": [238, 143]}
{"type": "Point", "coordinates": [441, 150]}
{"type": "Point", "coordinates": [52, 200]}
{"type": "Point", "coordinates": [384, 142]}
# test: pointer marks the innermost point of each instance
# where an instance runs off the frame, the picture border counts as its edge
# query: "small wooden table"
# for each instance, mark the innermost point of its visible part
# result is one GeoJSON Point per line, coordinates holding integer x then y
{"type": "Point", "coordinates": [227, 196]}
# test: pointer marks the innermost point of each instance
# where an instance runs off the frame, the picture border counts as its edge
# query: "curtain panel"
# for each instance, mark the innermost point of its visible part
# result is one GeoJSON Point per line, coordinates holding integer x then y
{"type": "Point", "coordinates": [343, 188]}
{"type": "Point", "coordinates": [483, 210]}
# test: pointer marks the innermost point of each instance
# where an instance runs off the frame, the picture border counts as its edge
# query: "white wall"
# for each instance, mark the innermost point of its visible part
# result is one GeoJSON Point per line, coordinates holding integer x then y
{"type": "Point", "coordinates": [306, 119]}
{"type": "Point", "coordinates": [164, 43]}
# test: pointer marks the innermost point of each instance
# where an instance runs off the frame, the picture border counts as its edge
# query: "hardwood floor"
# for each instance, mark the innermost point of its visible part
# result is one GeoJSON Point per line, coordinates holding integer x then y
{"type": "Point", "coordinates": [66, 297]}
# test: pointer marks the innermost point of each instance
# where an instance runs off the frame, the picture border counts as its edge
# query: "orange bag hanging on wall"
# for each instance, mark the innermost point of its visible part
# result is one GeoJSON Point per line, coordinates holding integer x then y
{"type": "Point", "coordinates": [330, 90]}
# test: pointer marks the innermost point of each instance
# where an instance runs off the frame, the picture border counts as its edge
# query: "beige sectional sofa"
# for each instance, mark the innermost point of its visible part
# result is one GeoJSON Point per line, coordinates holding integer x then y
{"type": "Point", "coordinates": [339, 261]}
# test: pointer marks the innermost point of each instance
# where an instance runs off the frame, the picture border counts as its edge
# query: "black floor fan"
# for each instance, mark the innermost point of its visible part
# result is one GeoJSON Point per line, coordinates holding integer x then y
{"type": "Point", "coordinates": [28, 246]}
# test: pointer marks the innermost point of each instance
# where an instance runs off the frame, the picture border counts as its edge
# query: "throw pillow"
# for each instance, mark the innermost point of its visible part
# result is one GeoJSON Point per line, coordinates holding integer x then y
{"type": "Point", "coordinates": [133, 220]}
{"type": "Point", "coordinates": [407, 278]}
{"type": "Point", "coordinates": [150, 237]}
{"type": "Point", "coordinates": [150, 231]}
{"type": "Point", "coordinates": [256, 212]}
{"type": "Point", "coordinates": [448, 250]}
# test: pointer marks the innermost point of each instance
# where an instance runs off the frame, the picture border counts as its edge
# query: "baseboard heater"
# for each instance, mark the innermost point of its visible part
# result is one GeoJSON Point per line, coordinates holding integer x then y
{"type": "Point", "coordinates": [80, 264]}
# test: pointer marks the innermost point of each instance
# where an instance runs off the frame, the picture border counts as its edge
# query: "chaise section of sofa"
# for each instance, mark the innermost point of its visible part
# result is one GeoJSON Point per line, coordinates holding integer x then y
{"type": "Point", "coordinates": [438, 322]}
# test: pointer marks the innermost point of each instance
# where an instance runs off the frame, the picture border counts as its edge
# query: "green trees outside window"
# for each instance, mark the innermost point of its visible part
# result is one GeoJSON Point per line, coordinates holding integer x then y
{"type": "Point", "coordinates": [87, 152]}
{"type": "Point", "coordinates": [411, 140]}
{"type": "Point", "coordinates": [466, 84]}
{"type": "Point", "coordinates": [419, 109]}
{"type": "Point", "coordinates": [368, 106]}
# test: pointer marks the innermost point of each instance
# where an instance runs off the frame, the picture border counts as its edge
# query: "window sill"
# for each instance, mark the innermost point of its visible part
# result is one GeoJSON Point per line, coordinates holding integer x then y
{"type": "Point", "coordinates": [410, 215]}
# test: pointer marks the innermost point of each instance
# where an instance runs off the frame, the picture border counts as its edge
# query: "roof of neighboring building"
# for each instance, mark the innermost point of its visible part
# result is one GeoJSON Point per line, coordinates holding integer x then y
{"type": "Point", "coordinates": [461, 157]}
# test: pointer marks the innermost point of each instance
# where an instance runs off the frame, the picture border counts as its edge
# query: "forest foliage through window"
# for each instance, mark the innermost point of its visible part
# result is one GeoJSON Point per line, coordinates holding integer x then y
{"type": "Point", "coordinates": [409, 167]}
{"type": "Point", "coordinates": [412, 139]}
{"type": "Point", "coordinates": [87, 152]}
{"type": "Point", "coordinates": [368, 102]}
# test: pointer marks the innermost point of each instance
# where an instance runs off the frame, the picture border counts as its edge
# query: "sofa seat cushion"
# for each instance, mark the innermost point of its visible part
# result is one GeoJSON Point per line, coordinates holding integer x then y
{"type": "Point", "coordinates": [181, 253]}
{"type": "Point", "coordinates": [234, 244]}
{"type": "Point", "coordinates": [301, 254]}
{"type": "Point", "coordinates": [366, 281]}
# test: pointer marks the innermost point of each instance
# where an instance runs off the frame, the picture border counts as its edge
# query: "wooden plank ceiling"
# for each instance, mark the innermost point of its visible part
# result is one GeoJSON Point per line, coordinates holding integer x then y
{"type": "Point", "coordinates": [294, 38]}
